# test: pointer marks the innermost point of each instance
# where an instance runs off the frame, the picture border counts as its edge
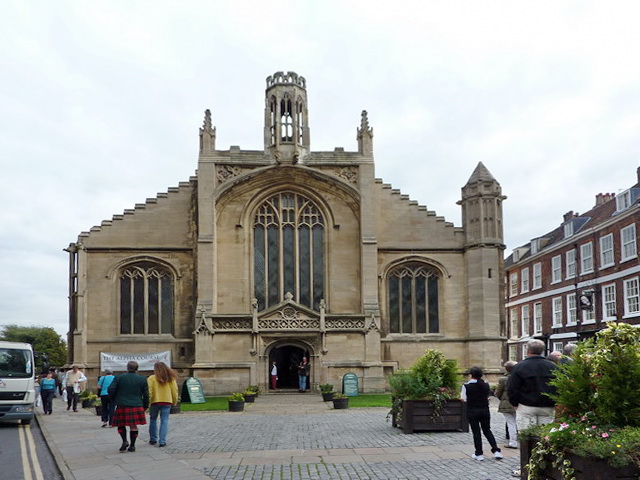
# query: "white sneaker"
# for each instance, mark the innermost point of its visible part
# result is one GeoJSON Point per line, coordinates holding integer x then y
{"type": "Point", "coordinates": [498, 455]}
{"type": "Point", "coordinates": [479, 458]}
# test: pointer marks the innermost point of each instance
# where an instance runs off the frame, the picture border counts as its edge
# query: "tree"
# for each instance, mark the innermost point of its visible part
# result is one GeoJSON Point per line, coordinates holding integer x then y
{"type": "Point", "coordinates": [42, 339]}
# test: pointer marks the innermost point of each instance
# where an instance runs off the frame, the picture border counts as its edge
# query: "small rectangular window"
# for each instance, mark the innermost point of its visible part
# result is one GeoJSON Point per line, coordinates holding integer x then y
{"type": "Point", "coordinates": [556, 269]}
{"type": "Point", "coordinates": [628, 242]}
{"type": "Point", "coordinates": [557, 311]}
{"type": "Point", "coordinates": [631, 297]}
{"type": "Point", "coordinates": [537, 275]}
{"type": "Point", "coordinates": [537, 318]}
{"type": "Point", "coordinates": [609, 301]}
{"type": "Point", "coordinates": [572, 309]}
{"type": "Point", "coordinates": [606, 251]}
{"type": "Point", "coordinates": [526, 319]}
{"type": "Point", "coordinates": [586, 258]}
{"type": "Point", "coordinates": [571, 263]}
{"type": "Point", "coordinates": [524, 280]}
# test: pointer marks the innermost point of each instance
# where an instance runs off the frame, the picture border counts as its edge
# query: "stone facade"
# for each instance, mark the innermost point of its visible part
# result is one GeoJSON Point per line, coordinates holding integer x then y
{"type": "Point", "coordinates": [271, 255]}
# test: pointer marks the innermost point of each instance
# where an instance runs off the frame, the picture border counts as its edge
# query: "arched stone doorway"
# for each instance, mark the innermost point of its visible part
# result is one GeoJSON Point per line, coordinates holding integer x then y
{"type": "Point", "coordinates": [287, 358]}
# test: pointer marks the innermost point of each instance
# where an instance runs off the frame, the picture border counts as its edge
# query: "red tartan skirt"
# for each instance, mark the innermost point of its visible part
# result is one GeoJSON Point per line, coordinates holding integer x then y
{"type": "Point", "coordinates": [127, 416]}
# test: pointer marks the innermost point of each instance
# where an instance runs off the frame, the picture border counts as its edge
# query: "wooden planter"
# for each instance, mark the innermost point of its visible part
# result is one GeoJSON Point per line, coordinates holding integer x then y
{"type": "Point", "coordinates": [250, 398]}
{"type": "Point", "coordinates": [420, 415]}
{"type": "Point", "coordinates": [236, 406]}
{"type": "Point", "coordinates": [327, 396]}
{"type": "Point", "coordinates": [585, 468]}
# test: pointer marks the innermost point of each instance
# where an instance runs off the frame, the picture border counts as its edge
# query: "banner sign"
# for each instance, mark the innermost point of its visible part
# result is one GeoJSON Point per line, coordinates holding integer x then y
{"type": "Point", "coordinates": [117, 362]}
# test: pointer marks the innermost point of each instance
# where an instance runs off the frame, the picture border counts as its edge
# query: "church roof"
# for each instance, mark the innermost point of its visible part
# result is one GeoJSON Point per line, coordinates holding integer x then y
{"type": "Point", "coordinates": [481, 174]}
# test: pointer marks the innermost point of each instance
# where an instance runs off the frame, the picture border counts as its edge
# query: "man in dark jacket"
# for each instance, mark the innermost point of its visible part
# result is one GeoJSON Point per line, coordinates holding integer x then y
{"type": "Point", "coordinates": [130, 394]}
{"type": "Point", "coordinates": [528, 384]}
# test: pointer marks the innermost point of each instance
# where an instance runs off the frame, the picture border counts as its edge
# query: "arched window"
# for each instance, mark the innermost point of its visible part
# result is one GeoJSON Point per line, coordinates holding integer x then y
{"type": "Point", "coordinates": [413, 299]}
{"type": "Point", "coordinates": [146, 299]}
{"type": "Point", "coordinates": [288, 250]}
{"type": "Point", "coordinates": [286, 120]}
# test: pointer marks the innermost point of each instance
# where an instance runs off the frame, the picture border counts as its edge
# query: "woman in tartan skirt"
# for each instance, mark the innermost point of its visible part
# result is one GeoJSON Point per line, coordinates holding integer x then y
{"type": "Point", "coordinates": [130, 394]}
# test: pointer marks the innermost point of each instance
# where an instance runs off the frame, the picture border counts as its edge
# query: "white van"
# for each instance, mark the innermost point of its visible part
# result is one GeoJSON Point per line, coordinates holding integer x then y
{"type": "Point", "coordinates": [17, 380]}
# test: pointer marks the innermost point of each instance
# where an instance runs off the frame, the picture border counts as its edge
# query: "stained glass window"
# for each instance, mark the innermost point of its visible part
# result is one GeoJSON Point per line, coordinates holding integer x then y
{"type": "Point", "coordinates": [288, 250]}
{"type": "Point", "coordinates": [146, 300]}
{"type": "Point", "coordinates": [413, 299]}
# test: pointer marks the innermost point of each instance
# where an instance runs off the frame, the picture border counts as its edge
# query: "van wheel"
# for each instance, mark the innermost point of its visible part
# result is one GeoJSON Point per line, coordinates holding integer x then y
{"type": "Point", "coordinates": [25, 421]}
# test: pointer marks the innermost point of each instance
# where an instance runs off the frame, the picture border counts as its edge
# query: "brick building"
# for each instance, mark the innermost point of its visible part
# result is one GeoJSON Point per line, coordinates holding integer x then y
{"type": "Point", "coordinates": [567, 284]}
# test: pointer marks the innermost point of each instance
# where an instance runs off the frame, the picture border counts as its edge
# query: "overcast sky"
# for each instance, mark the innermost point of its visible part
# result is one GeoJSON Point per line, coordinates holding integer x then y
{"type": "Point", "coordinates": [101, 102]}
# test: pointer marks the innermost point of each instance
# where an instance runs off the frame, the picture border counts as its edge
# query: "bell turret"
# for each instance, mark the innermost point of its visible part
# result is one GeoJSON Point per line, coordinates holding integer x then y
{"type": "Point", "coordinates": [286, 130]}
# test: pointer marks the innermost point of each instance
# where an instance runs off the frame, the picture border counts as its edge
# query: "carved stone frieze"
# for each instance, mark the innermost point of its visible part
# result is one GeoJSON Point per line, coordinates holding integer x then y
{"type": "Point", "coordinates": [226, 172]}
{"type": "Point", "coordinates": [289, 324]}
{"type": "Point", "coordinates": [350, 174]}
{"type": "Point", "coordinates": [345, 323]}
{"type": "Point", "coordinates": [231, 323]}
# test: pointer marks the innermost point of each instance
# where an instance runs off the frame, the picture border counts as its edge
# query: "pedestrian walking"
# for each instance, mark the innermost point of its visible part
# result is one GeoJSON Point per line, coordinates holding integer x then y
{"type": "Point", "coordinates": [163, 393]}
{"type": "Point", "coordinates": [130, 394]}
{"type": "Point", "coordinates": [75, 384]}
{"type": "Point", "coordinates": [505, 407]}
{"type": "Point", "coordinates": [476, 394]}
{"type": "Point", "coordinates": [107, 405]}
{"type": "Point", "coordinates": [528, 387]}
{"type": "Point", "coordinates": [47, 391]}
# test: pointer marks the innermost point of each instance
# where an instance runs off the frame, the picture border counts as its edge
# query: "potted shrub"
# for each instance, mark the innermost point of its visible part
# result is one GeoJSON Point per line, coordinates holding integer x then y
{"type": "Point", "coordinates": [249, 396]}
{"type": "Point", "coordinates": [426, 396]}
{"type": "Point", "coordinates": [98, 405]}
{"type": "Point", "coordinates": [88, 399]}
{"type": "Point", "coordinates": [596, 433]}
{"type": "Point", "coordinates": [340, 401]}
{"type": "Point", "coordinates": [236, 402]}
{"type": "Point", "coordinates": [326, 389]}
{"type": "Point", "coordinates": [254, 388]}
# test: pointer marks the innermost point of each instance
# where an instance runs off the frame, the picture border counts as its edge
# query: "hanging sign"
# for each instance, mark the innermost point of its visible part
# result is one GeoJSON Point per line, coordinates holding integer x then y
{"type": "Point", "coordinates": [117, 362]}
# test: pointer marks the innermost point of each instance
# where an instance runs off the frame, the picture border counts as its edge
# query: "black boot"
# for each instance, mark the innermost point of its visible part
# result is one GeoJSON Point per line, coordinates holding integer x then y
{"type": "Point", "coordinates": [133, 435]}
{"type": "Point", "coordinates": [123, 434]}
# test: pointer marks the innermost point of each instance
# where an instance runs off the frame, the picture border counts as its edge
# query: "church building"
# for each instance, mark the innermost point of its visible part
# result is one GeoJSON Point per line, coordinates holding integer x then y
{"type": "Point", "coordinates": [277, 254]}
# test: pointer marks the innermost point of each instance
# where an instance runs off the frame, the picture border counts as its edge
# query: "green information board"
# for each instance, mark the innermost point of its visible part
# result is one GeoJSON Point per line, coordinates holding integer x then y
{"type": "Point", "coordinates": [192, 391]}
{"type": "Point", "coordinates": [350, 384]}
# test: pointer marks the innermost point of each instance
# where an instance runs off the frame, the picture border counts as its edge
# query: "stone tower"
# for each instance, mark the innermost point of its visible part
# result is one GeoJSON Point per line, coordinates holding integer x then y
{"type": "Point", "coordinates": [286, 124]}
{"type": "Point", "coordinates": [482, 221]}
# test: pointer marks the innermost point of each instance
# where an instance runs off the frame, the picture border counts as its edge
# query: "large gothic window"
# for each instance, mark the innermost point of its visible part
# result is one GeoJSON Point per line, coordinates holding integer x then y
{"type": "Point", "coordinates": [288, 251]}
{"type": "Point", "coordinates": [146, 299]}
{"type": "Point", "coordinates": [413, 299]}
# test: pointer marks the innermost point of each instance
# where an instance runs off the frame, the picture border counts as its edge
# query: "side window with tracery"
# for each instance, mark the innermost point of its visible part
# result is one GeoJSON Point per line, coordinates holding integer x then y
{"type": "Point", "coordinates": [288, 250]}
{"type": "Point", "coordinates": [412, 292]}
{"type": "Point", "coordinates": [146, 299]}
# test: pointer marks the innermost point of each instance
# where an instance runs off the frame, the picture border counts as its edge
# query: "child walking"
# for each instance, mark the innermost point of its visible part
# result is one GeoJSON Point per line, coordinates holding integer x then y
{"type": "Point", "coordinates": [476, 393]}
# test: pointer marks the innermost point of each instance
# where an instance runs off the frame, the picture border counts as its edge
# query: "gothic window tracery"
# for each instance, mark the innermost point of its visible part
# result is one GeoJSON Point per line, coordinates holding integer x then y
{"type": "Point", "coordinates": [289, 251]}
{"type": "Point", "coordinates": [146, 299]}
{"type": "Point", "coordinates": [413, 299]}
{"type": "Point", "coordinates": [286, 120]}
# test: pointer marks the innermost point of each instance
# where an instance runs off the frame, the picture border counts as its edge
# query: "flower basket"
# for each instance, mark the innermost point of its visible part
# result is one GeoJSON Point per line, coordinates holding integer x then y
{"type": "Point", "coordinates": [596, 432]}
{"type": "Point", "coordinates": [235, 406]}
{"type": "Point", "coordinates": [340, 402]}
{"type": "Point", "coordinates": [327, 396]}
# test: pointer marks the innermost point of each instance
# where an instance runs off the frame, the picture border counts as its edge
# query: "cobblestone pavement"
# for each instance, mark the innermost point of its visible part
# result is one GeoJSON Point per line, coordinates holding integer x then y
{"type": "Point", "coordinates": [285, 437]}
{"type": "Point", "coordinates": [329, 444]}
